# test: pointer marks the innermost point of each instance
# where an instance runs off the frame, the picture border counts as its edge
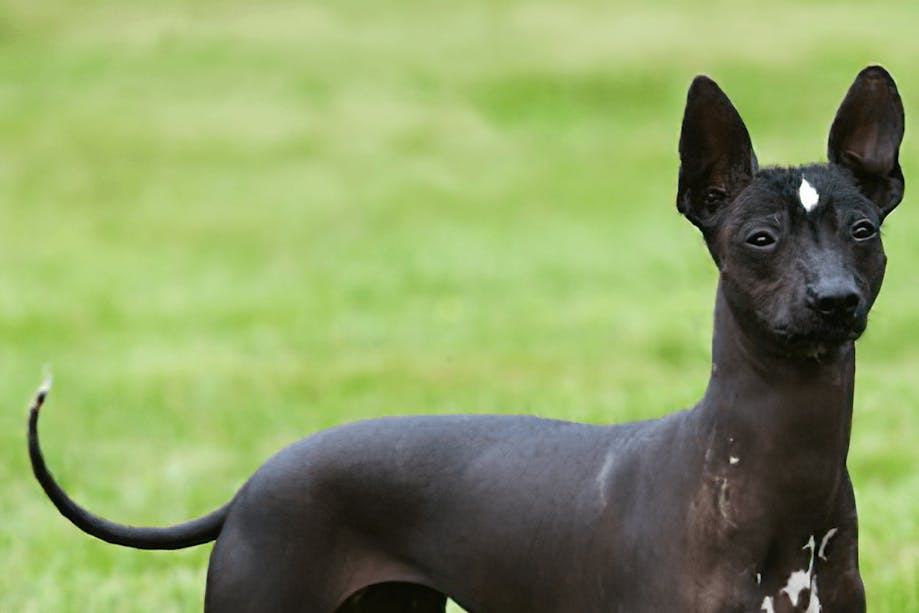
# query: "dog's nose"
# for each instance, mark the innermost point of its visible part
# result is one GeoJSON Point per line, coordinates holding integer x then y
{"type": "Point", "coordinates": [834, 301]}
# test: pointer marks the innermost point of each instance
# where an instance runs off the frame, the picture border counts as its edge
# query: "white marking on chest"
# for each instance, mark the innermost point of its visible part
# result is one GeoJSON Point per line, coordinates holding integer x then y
{"type": "Point", "coordinates": [801, 580]}
{"type": "Point", "coordinates": [813, 606]}
{"type": "Point", "coordinates": [808, 195]}
{"type": "Point", "coordinates": [821, 553]}
{"type": "Point", "coordinates": [767, 605]}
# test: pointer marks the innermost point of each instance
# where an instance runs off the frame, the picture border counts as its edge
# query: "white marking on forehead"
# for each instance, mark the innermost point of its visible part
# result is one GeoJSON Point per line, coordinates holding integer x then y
{"type": "Point", "coordinates": [734, 459]}
{"type": "Point", "coordinates": [808, 195]}
{"type": "Point", "coordinates": [767, 605]}
{"type": "Point", "coordinates": [821, 553]}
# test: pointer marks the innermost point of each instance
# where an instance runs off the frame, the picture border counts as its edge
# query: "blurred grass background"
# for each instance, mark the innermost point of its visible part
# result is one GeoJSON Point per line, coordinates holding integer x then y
{"type": "Point", "coordinates": [229, 224]}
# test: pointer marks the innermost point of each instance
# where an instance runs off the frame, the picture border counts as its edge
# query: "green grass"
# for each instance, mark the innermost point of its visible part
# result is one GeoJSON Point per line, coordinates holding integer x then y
{"type": "Point", "coordinates": [230, 224]}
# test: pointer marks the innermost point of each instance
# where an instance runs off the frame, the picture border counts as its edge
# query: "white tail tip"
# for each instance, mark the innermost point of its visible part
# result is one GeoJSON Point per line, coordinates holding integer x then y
{"type": "Point", "coordinates": [43, 390]}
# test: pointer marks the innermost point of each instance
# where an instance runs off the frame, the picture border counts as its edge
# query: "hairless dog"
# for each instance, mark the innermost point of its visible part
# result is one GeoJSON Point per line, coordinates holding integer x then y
{"type": "Point", "coordinates": [741, 503]}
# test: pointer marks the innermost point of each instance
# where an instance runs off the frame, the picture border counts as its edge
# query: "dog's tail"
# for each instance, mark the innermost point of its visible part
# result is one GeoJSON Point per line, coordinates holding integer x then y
{"type": "Point", "coordinates": [187, 534]}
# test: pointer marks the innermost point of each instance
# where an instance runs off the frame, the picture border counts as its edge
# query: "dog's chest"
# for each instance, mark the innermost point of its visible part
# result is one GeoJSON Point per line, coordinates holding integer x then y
{"type": "Point", "coordinates": [816, 577]}
{"type": "Point", "coordinates": [794, 583]}
{"type": "Point", "coordinates": [741, 557]}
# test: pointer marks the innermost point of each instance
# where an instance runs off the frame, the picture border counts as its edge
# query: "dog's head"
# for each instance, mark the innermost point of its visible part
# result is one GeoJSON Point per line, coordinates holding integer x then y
{"type": "Point", "coordinates": [798, 249]}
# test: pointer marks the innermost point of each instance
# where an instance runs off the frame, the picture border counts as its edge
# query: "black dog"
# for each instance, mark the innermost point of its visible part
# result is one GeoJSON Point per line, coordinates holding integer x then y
{"type": "Point", "coordinates": [742, 503]}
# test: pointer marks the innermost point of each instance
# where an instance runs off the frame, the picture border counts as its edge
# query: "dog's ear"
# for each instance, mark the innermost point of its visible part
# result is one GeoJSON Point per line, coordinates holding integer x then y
{"type": "Point", "coordinates": [866, 134]}
{"type": "Point", "coordinates": [716, 157]}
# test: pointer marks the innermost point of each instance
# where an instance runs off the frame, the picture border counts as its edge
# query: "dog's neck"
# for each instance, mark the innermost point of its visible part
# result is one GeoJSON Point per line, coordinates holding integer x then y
{"type": "Point", "coordinates": [763, 411]}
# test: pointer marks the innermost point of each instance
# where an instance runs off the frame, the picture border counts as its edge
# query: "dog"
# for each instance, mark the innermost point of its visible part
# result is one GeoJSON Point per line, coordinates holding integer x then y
{"type": "Point", "coordinates": [741, 503]}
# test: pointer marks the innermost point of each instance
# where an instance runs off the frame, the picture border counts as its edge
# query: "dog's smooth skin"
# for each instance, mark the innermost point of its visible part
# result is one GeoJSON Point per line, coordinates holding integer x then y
{"type": "Point", "coordinates": [742, 503]}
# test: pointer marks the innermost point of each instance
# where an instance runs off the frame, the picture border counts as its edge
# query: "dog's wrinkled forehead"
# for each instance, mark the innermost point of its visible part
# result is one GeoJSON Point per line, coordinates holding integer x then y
{"type": "Point", "coordinates": [805, 191]}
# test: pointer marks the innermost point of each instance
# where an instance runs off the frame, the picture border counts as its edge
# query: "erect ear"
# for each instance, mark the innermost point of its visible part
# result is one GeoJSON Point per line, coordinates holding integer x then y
{"type": "Point", "coordinates": [716, 156]}
{"type": "Point", "coordinates": [866, 134]}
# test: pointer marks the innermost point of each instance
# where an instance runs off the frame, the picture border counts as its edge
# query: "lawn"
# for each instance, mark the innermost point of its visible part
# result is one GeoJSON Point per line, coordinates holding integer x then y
{"type": "Point", "coordinates": [226, 225]}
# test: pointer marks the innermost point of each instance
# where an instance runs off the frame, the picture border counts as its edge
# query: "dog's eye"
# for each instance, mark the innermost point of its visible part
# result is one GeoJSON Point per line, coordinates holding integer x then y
{"type": "Point", "coordinates": [863, 230]}
{"type": "Point", "coordinates": [761, 239]}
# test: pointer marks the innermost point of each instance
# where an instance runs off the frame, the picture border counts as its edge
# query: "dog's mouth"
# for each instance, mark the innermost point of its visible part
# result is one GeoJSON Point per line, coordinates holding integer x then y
{"type": "Point", "coordinates": [820, 338]}
{"type": "Point", "coordinates": [786, 326]}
